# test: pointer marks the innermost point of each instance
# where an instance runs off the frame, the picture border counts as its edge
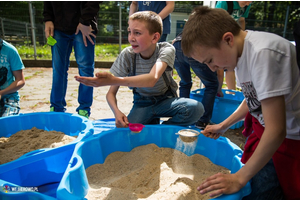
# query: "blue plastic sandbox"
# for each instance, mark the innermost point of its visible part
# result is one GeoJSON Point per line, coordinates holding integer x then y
{"type": "Point", "coordinates": [94, 150]}
{"type": "Point", "coordinates": [59, 173]}
{"type": "Point", "coordinates": [223, 106]}
{"type": "Point", "coordinates": [42, 168]}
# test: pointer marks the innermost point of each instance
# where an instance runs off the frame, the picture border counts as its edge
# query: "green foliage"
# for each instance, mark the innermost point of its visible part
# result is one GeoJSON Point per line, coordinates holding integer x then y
{"type": "Point", "coordinates": [103, 52]}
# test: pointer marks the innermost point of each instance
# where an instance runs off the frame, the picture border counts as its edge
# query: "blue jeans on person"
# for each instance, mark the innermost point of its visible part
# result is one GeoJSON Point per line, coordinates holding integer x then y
{"type": "Point", "coordinates": [265, 185]}
{"type": "Point", "coordinates": [182, 65]}
{"type": "Point", "coordinates": [60, 63]}
{"type": "Point", "coordinates": [148, 110]}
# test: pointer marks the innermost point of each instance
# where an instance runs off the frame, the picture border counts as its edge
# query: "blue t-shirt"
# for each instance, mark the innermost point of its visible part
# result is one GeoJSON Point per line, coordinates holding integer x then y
{"type": "Point", "coordinates": [157, 7]}
{"type": "Point", "coordinates": [237, 12]}
{"type": "Point", "coordinates": [9, 61]}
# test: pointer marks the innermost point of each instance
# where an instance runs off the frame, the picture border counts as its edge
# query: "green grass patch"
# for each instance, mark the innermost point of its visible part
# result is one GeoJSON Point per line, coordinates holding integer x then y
{"type": "Point", "coordinates": [103, 52]}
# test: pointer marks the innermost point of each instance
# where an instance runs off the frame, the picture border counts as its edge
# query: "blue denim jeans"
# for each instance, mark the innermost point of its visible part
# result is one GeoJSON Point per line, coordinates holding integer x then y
{"type": "Point", "coordinates": [265, 185]}
{"type": "Point", "coordinates": [208, 78]}
{"type": "Point", "coordinates": [60, 63]}
{"type": "Point", "coordinates": [148, 110]}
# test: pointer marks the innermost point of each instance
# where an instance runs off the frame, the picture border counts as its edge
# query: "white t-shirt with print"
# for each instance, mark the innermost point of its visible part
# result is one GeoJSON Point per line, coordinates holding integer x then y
{"type": "Point", "coordinates": [268, 68]}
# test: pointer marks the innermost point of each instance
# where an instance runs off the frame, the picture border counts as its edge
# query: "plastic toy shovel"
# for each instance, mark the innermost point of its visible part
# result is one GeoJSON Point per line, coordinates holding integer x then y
{"type": "Point", "coordinates": [51, 41]}
{"type": "Point", "coordinates": [136, 128]}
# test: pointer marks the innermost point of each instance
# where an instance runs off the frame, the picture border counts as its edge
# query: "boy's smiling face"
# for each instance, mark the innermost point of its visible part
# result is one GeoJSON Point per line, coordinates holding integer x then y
{"type": "Point", "coordinates": [140, 39]}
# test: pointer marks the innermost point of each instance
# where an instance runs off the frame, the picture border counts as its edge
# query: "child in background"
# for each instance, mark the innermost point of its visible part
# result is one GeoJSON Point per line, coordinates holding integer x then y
{"type": "Point", "coordinates": [146, 67]}
{"type": "Point", "coordinates": [11, 79]}
{"type": "Point", "coordinates": [266, 68]}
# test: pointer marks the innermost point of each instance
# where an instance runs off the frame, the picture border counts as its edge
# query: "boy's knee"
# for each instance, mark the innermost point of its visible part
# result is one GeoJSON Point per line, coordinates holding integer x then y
{"type": "Point", "coordinates": [196, 109]}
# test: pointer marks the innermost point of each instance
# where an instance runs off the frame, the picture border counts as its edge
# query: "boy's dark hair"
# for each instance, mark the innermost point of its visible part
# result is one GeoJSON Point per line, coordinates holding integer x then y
{"type": "Point", "coordinates": [152, 20]}
{"type": "Point", "coordinates": [206, 27]}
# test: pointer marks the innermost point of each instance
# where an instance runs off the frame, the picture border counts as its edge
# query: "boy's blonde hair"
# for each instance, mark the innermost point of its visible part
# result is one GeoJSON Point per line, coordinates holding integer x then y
{"type": "Point", "coordinates": [151, 19]}
{"type": "Point", "coordinates": [206, 27]}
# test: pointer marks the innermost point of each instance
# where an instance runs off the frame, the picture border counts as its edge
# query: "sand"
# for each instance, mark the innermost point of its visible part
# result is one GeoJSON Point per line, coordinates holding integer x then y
{"type": "Point", "coordinates": [25, 141]}
{"type": "Point", "coordinates": [150, 172]}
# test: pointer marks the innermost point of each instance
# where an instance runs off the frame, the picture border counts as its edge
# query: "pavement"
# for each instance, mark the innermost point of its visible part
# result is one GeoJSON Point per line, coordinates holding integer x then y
{"type": "Point", "coordinates": [35, 95]}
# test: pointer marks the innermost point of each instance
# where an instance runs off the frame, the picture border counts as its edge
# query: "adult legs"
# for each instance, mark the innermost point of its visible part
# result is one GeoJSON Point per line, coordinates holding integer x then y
{"type": "Point", "coordinates": [182, 67]}
{"type": "Point", "coordinates": [230, 80]}
{"type": "Point", "coordinates": [85, 60]}
{"type": "Point", "coordinates": [60, 63]}
{"type": "Point", "coordinates": [210, 80]}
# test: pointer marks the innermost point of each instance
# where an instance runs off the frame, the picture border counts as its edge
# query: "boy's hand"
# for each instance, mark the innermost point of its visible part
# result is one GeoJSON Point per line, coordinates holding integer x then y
{"type": "Point", "coordinates": [101, 79]}
{"type": "Point", "coordinates": [220, 184]}
{"type": "Point", "coordinates": [213, 131]}
{"type": "Point", "coordinates": [121, 120]}
{"type": "Point", "coordinates": [87, 32]}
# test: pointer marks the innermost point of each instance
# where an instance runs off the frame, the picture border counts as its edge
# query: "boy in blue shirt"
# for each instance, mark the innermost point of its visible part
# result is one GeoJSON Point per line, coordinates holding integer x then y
{"type": "Point", "coordinates": [11, 79]}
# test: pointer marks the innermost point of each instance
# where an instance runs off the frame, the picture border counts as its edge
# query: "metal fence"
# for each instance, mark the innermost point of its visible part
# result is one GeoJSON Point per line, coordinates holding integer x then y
{"type": "Point", "coordinates": [20, 32]}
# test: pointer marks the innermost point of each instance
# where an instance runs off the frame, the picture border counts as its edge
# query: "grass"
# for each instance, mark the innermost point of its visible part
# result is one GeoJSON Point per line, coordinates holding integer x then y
{"type": "Point", "coordinates": [103, 52]}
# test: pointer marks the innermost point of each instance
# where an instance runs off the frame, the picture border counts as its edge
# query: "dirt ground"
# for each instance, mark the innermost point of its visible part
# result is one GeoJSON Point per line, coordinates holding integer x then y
{"type": "Point", "coordinates": [35, 97]}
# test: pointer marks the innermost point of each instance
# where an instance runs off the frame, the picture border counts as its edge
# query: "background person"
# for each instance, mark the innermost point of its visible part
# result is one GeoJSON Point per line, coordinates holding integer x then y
{"type": "Point", "coordinates": [11, 79]}
{"type": "Point", "coordinates": [183, 65]}
{"type": "Point", "coordinates": [162, 8]}
{"type": "Point", "coordinates": [72, 25]}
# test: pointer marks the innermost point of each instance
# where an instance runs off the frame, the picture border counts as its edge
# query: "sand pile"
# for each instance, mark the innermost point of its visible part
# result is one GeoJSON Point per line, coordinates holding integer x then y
{"type": "Point", "coordinates": [150, 172]}
{"type": "Point", "coordinates": [25, 141]}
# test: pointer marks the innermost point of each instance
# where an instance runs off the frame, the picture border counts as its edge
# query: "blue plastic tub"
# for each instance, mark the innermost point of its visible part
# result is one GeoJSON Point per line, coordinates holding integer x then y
{"type": "Point", "coordinates": [94, 150]}
{"type": "Point", "coordinates": [223, 106]}
{"type": "Point", "coordinates": [42, 168]}
{"type": "Point", "coordinates": [69, 124]}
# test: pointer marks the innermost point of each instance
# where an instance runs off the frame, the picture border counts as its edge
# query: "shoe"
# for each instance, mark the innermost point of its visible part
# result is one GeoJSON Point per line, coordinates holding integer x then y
{"type": "Point", "coordinates": [52, 109]}
{"type": "Point", "coordinates": [83, 113]}
{"type": "Point", "coordinates": [201, 125]}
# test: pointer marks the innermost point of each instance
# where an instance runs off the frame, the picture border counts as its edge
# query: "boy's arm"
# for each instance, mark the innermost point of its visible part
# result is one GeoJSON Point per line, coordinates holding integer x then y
{"type": "Point", "coordinates": [215, 131]}
{"type": "Point", "coordinates": [133, 7]}
{"type": "Point", "coordinates": [143, 80]}
{"type": "Point", "coordinates": [170, 5]}
{"type": "Point", "coordinates": [111, 98]}
{"type": "Point", "coordinates": [242, 23]}
{"type": "Point", "coordinates": [273, 110]}
{"type": "Point", "coordinates": [48, 19]}
{"type": "Point", "coordinates": [16, 85]}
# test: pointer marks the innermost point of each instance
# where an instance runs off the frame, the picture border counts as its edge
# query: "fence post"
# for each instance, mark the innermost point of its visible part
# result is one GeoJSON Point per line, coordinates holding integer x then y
{"type": "Point", "coordinates": [32, 28]}
{"type": "Point", "coordinates": [286, 20]}
{"type": "Point", "coordinates": [120, 27]}
{"type": "Point", "coordinates": [2, 26]}
{"type": "Point", "coordinates": [27, 35]}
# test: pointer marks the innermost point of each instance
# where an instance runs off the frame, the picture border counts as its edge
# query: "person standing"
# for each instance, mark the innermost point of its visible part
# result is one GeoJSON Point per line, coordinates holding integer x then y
{"type": "Point", "coordinates": [162, 8]}
{"type": "Point", "coordinates": [183, 65]}
{"type": "Point", "coordinates": [11, 79]}
{"type": "Point", "coordinates": [72, 25]}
